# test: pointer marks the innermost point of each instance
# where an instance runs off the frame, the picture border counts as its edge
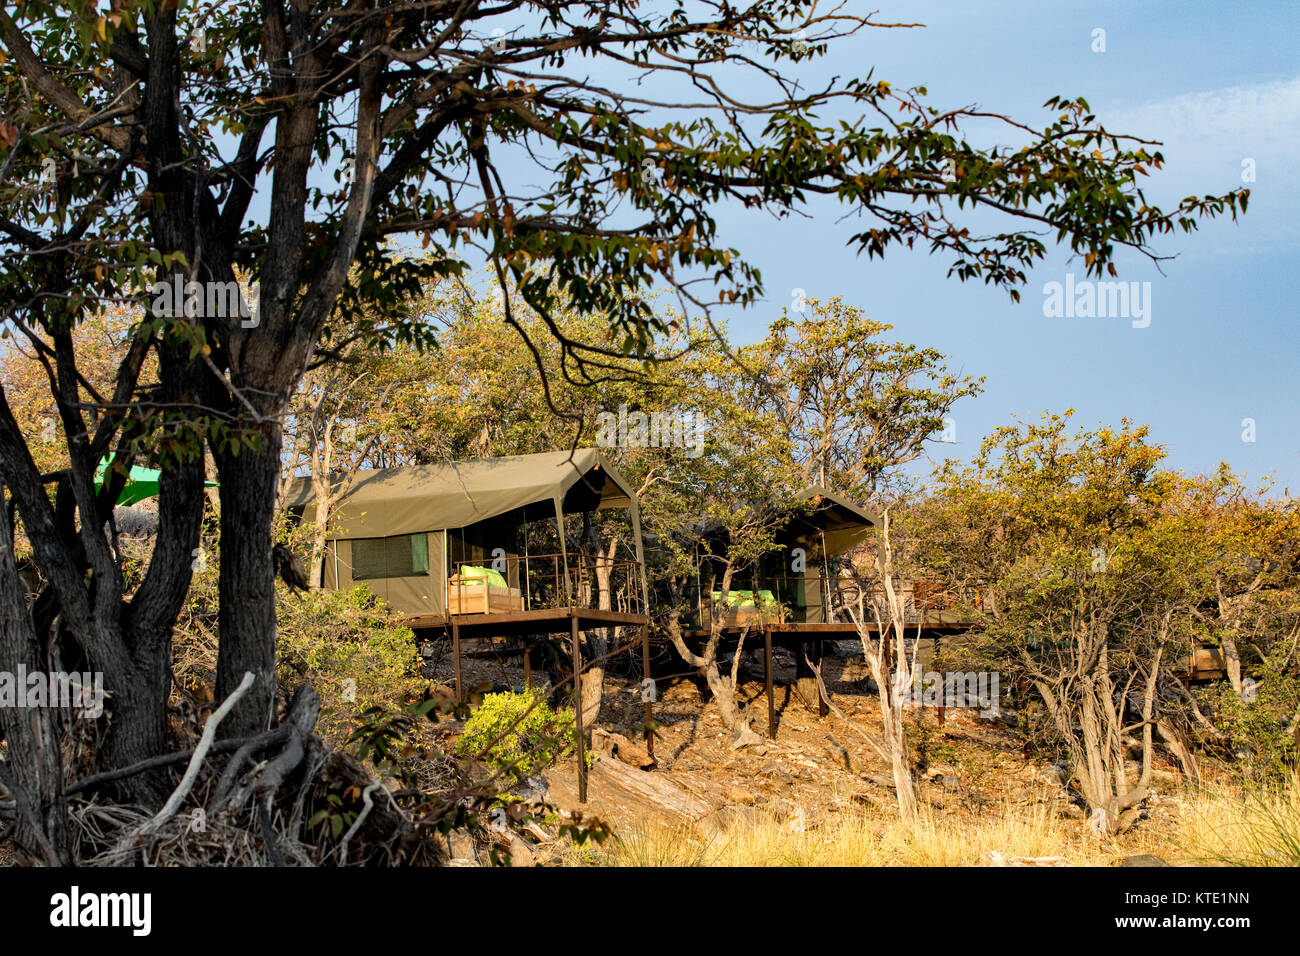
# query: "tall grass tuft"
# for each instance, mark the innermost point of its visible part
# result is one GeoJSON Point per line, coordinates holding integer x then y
{"type": "Point", "coordinates": [861, 838]}
{"type": "Point", "coordinates": [1250, 826]}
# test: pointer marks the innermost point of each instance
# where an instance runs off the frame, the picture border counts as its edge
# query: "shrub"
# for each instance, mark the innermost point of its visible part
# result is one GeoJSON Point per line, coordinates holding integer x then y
{"type": "Point", "coordinates": [531, 735]}
{"type": "Point", "coordinates": [348, 645]}
{"type": "Point", "coordinates": [1259, 730]}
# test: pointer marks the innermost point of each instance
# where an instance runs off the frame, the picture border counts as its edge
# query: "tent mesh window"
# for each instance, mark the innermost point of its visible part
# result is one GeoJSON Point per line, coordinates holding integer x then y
{"type": "Point", "coordinates": [401, 556]}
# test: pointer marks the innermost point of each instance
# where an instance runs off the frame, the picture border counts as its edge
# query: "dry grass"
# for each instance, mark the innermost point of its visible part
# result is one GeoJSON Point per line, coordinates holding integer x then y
{"type": "Point", "coordinates": [1233, 826]}
{"type": "Point", "coordinates": [864, 838]}
{"type": "Point", "coordinates": [1244, 826]}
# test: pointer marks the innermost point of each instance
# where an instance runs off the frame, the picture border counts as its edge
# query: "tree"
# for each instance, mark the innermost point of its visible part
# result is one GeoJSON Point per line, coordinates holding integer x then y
{"type": "Point", "coordinates": [1086, 585]}
{"type": "Point", "coordinates": [852, 406]}
{"type": "Point", "coordinates": [135, 143]}
{"type": "Point", "coordinates": [715, 515]}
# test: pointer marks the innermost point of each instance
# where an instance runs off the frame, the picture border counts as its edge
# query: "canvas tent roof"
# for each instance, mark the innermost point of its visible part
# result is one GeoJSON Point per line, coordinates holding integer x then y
{"type": "Point", "coordinates": [843, 524]}
{"type": "Point", "coordinates": [415, 498]}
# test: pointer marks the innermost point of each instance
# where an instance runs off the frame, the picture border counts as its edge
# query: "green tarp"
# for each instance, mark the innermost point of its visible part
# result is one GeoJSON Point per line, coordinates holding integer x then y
{"type": "Point", "coordinates": [141, 483]}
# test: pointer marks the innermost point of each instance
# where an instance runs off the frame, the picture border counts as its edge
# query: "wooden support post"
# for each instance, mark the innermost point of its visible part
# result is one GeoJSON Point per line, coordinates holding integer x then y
{"type": "Point", "coordinates": [528, 666]}
{"type": "Point", "coordinates": [648, 697]}
{"type": "Point", "coordinates": [455, 653]}
{"type": "Point", "coordinates": [577, 709]}
{"type": "Point", "coordinates": [767, 682]}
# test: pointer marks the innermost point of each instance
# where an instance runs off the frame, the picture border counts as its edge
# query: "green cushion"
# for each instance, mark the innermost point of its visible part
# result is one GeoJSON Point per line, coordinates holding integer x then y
{"type": "Point", "coordinates": [476, 575]}
{"type": "Point", "coordinates": [739, 598]}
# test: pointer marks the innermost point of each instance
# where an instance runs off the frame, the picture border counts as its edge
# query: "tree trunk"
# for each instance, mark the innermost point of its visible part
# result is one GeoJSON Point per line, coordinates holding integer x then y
{"type": "Point", "coordinates": [724, 691]}
{"type": "Point", "coordinates": [805, 681]}
{"type": "Point", "coordinates": [138, 729]}
{"type": "Point", "coordinates": [33, 770]}
{"type": "Point", "coordinates": [247, 625]}
{"type": "Point", "coordinates": [320, 524]}
{"type": "Point", "coordinates": [886, 655]}
{"type": "Point", "coordinates": [593, 678]}
{"type": "Point", "coordinates": [1231, 660]}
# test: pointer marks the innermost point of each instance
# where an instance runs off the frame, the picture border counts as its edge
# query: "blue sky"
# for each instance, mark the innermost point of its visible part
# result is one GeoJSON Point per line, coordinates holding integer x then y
{"type": "Point", "coordinates": [1217, 83]}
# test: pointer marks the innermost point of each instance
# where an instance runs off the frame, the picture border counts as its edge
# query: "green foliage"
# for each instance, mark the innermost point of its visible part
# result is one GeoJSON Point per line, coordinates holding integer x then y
{"type": "Point", "coordinates": [1099, 570]}
{"type": "Point", "coordinates": [1259, 724]}
{"type": "Point", "coordinates": [334, 816]}
{"type": "Point", "coordinates": [517, 735]}
{"type": "Point", "coordinates": [347, 644]}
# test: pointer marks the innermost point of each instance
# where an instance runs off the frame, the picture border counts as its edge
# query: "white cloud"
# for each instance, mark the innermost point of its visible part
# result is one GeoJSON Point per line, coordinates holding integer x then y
{"type": "Point", "coordinates": [1262, 116]}
{"type": "Point", "coordinates": [1206, 136]}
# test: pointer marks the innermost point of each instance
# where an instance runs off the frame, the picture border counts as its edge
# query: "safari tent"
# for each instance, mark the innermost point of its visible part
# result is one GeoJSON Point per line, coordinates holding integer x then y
{"type": "Point", "coordinates": [790, 585]}
{"type": "Point", "coordinates": [463, 538]}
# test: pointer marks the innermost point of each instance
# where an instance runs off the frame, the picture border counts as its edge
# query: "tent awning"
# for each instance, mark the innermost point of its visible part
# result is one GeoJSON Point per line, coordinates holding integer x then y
{"type": "Point", "coordinates": [407, 500]}
{"type": "Point", "coordinates": [842, 523]}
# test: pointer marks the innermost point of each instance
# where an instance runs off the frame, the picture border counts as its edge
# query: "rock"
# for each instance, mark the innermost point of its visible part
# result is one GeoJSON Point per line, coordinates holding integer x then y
{"type": "Point", "coordinates": [619, 747]}
{"type": "Point", "coordinates": [740, 795]}
{"type": "Point", "coordinates": [1074, 812]}
{"type": "Point", "coordinates": [797, 822]}
{"type": "Point", "coordinates": [1054, 774]}
{"type": "Point", "coordinates": [1143, 859]}
{"type": "Point", "coordinates": [460, 847]}
{"type": "Point", "coordinates": [533, 791]}
{"type": "Point", "coordinates": [747, 738]}
{"type": "Point", "coordinates": [521, 854]}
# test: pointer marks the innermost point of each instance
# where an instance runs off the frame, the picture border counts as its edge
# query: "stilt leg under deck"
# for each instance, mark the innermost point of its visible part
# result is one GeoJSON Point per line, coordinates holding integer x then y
{"type": "Point", "coordinates": [455, 653]}
{"type": "Point", "coordinates": [528, 667]}
{"type": "Point", "coordinates": [648, 690]}
{"type": "Point", "coordinates": [577, 711]}
{"type": "Point", "coordinates": [767, 682]}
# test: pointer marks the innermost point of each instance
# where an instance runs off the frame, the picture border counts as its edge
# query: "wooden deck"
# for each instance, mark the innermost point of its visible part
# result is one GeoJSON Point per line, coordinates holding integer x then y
{"type": "Point", "coordinates": [934, 624]}
{"type": "Point", "coordinates": [519, 623]}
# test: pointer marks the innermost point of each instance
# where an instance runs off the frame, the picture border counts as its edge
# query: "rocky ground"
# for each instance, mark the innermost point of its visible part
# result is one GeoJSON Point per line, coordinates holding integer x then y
{"type": "Point", "coordinates": [815, 768]}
